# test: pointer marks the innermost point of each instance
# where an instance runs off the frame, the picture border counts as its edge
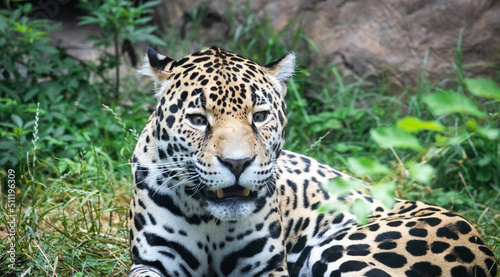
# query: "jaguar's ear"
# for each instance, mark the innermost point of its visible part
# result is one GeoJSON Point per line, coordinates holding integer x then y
{"type": "Point", "coordinates": [157, 66]}
{"type": "Point", "coordinates": [283, 68]}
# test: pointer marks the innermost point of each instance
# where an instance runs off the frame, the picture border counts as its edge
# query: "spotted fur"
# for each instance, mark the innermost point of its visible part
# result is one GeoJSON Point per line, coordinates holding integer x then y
{"type": "Point", "coordinates": [215, 194]}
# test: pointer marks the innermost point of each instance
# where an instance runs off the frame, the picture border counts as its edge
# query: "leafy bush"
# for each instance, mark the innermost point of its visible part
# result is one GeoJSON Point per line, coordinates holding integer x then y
{"type": "Point", "coordinates": [440, 145]}
{"type": "Point", "coordinates": [122, 24]}
{"type": "Point", "coordinates": [71, 113]}
{"type": "Point", "coordinates": [70, 152]}
{"type": "Point", "coordinates": [34, 71]}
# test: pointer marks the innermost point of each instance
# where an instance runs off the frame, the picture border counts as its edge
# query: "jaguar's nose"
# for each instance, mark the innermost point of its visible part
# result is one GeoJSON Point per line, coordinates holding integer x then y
{"type": "Point", "coordinates": [236, 166]}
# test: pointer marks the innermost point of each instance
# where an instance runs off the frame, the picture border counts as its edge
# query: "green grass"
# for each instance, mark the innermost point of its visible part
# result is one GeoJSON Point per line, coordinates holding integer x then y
{"type": "Point", "coordinates": [70, 152]}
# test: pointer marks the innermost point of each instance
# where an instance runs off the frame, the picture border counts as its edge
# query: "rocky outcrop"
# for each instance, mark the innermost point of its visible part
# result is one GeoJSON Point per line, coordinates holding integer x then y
{"type": "Point", "coordinates": [366, 37]}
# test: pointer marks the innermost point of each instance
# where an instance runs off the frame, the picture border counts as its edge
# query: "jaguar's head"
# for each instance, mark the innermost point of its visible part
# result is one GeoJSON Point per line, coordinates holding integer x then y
{"type": "Point", "coordinates": [219, 127]}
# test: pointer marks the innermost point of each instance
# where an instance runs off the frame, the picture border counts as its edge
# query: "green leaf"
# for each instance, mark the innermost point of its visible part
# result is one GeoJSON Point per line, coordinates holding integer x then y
{"type": "Point", "coordinates": [361, 209]}
{"type": "Point", "coordinates": [489, 133]}
{"type": "Point", "coordinates": [365, 166]}
{"type": "Point", "coordinates": [59, 131]}
{"type": "Point", "coordinates": [344, 147]}
{"type": "Point", "coordinates": [483, 87]}
{"type": "Point", "coordinates": [113, 127]}
{"type": "Point", "coordinates": [446, 102]}
{"type": "Point", "coordinates": [485, 132]}
{"type": "Point", "coordinates": [340, 186]}
{"type": "Point", "coordinates": [66, 138]}
{"type": "Point", "coordinates": [485, 160]}
{"type": "Point", "coordinates": [422, 173]}
{"type": "Point", "coordinates": [333, 205]}
{"type": "Point", "coordinates": [385, 193]}
{"type": "Point", "coordinates": [17, 120]}
{"type": "Point", "coordinates": [329, 124]}
{"type": "Point", "coordinates": [413, 124]}
{"type": "Point", "coordinates": [8, 125]}
{"type": "Point", "coordinates": [387, 137]}
{"type": "Point", "coordinates": [324, 121]}
{"type": "Point", "coordinates": [454, 140]}
{"type": "Point", "coordinates": [31, 93]}
{"type": "Point", "coordinates": [85, 20]}
{"type": "Point", "coordinates": [150, 4]}
{"type": "Point", "coordinates": [21, 131]}
{"type": "Point", "coordinates": [143, 20]}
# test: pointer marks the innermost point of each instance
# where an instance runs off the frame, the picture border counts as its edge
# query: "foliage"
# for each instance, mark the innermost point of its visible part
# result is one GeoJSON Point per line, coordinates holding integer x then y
{"type": "Point", "coordinates": [120, 19]}
{"type": "Point", "coordinates": [32, 71]}
{"type": "Point", "coordinates": [71, 116]}
{"type": "Point", "coordinates": [123, 24]}
{"type": "Point", "coordinates": [477, 145]}
{"type": "Point", "coordinates": [444, 144]}
{"type": "Point", "coordinates": [69, 152]}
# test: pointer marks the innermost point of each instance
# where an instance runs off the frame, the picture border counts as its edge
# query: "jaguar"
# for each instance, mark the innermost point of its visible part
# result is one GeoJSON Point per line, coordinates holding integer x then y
{"type": "Point", "coordinates": [215, 194]}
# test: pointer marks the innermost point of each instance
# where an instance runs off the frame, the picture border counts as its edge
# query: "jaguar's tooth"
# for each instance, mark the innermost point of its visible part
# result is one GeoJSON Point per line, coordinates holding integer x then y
{"type": "Point", "coordinates": [220, 193]}
{"type": "Point", "coordinates": [245, 192]}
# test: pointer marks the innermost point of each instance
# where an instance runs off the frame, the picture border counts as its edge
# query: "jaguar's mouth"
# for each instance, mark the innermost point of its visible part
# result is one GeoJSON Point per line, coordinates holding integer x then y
{"type": "Point", "coordinates": [232, 192]}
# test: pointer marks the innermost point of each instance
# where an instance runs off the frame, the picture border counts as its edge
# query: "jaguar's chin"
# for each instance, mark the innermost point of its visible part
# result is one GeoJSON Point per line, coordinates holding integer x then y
{"type": "Point", "coordinates": [230, 209]}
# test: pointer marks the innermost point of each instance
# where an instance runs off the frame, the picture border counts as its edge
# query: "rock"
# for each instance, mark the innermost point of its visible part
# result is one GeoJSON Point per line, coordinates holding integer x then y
{"type": "Point", "coordinates": [366, 37]}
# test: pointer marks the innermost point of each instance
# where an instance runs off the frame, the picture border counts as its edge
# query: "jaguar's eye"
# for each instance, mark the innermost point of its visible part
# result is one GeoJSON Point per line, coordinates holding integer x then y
{"type": "Point", "coordinates": [260, 116]}
{"type": "Point", "coordinates": [197, 119]}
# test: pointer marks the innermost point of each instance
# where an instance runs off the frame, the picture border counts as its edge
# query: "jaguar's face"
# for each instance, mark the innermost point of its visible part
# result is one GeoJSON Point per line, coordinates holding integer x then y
{"type": "Point", "coordinates": [220, 123]}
